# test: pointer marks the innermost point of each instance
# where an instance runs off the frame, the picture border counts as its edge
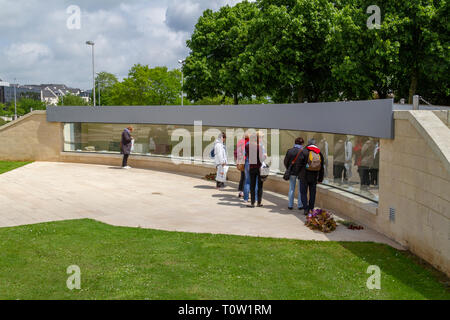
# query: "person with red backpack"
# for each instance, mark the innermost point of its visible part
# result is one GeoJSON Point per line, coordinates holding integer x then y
{"type": "Point", "coordinates": [311, 172]}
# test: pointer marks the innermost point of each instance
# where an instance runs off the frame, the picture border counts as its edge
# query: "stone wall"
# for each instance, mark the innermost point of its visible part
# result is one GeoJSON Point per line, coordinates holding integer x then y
{"type": "Point", "coordinates": [415, 182]}
{"type": "Point", "coordinates": [31, 138]}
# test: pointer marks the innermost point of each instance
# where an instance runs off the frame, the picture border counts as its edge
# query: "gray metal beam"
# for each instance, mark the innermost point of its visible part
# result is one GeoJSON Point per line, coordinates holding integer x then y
{"type": "Point", "coordinates": [364, 118]}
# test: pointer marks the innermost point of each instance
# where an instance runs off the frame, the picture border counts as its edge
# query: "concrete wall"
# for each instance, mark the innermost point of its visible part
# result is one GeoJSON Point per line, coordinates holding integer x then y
{"type": "Point", "coordinates": [415, 181]}
{"type": "Point", "coordinates": [31, 138]}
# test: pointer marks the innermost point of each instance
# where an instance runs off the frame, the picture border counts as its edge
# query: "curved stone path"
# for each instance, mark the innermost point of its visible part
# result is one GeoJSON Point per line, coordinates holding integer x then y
{"type": "Point", "coordinates": [45, 191]}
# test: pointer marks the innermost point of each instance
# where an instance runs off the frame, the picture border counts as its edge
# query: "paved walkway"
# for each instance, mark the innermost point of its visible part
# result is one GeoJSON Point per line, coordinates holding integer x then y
{"type": "Point", "coordinates": [43, 191]}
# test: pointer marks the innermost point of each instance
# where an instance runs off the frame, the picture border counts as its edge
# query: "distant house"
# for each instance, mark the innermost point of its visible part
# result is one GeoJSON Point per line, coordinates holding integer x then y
{"type": "Point", "coordinates": [52, 93]}
{"type": "Point", "coordinates": [49, 97]}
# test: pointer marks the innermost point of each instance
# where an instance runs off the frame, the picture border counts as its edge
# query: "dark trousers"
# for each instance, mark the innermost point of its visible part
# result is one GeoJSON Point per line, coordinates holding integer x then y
{"type": "Point", "coordinates": [373, 176]}
{"type": "Point", "coordinates": [125, 160]}
{"type": "Point", "coordinates": [255, 177]}
{"type": "Point", "coordinates": [364, 175]}
{"type": "Point", "coordinates": [338, 169]}
{"type": "Point", "coordinates": [220, 184]}
{"type": "Point", "coordinates": [242, 181]}
{"type": "Point", "coordinates": [304, 186]}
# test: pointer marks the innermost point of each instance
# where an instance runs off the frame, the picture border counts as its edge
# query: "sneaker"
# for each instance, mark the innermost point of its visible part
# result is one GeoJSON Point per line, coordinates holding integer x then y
{"type": "Point", "coordinates": [127, 167]}
{"type": "Point", "coordinates": [251, 205]}
{"type": "Point", "coordinates": [259, 205]}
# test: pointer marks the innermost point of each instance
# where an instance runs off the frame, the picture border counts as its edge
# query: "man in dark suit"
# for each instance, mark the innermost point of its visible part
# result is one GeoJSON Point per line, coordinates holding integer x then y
{"type": "Point", "coordinates": [125, 146]}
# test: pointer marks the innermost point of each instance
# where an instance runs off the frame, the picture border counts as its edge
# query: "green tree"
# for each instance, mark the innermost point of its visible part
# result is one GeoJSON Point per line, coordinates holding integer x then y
{"type": "Point", "coordinates": [362, 60]}
{"type": "Point", "coordinates": [105, 82]}
{"type": "Point", "coordinates": [407, 55]}
{"type": "Point", "coordinates": [217, 100]}
{"type": "Point", "coordinates": [424, 35]}
{"type": "Point", "coordinates": [288, 57]}
{"type": "Point", "coordinates": [27, 104]}
{"type": "Point", "coordinates": [214, 66]}
{"type": "Point", "coordinates": [71, 100]}
{"type": "Point", "coordinates": [148, 86]}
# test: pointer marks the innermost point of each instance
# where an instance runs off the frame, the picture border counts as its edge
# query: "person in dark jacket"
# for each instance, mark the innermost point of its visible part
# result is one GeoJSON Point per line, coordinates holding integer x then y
{"type": "Point", "coordinates": [125, 146]}
{"type": "Point", "coordinates": [309, 179]}
{"type": "Point", "coordinates": [292, 155]}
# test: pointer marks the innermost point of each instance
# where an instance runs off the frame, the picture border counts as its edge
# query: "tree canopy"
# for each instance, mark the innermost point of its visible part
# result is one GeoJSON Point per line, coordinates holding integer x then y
{"type": "Point", "coordinates": [147, 86]}
{"type": "Point", "coordinates": [72, 100]}
{"type": "Point", "coordinates": [321, 50]}
{"type": "Point", "coordinates": [105, 83]}
{"type": "Point", "coordinates": [217, 46]}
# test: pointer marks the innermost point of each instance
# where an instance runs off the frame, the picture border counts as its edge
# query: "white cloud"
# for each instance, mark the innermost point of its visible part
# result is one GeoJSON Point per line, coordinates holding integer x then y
{"type": "Point", "coordinates": [28, 54]}
{"type": "Point", "coordinates": [37, 47]}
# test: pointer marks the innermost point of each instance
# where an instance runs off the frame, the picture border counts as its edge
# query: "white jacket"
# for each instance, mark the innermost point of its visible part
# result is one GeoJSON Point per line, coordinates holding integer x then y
{"type": "Point", "coordinates": [220, 152]}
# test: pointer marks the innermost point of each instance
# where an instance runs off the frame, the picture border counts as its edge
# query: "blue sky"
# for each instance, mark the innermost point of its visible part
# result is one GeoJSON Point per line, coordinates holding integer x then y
{"type": "Point", "coordinates": [37, 47]}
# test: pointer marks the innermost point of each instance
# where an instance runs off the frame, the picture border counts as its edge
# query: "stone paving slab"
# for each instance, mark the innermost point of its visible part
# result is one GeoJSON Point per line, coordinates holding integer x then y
{"type": "Point", "coordinates": [46, 191]}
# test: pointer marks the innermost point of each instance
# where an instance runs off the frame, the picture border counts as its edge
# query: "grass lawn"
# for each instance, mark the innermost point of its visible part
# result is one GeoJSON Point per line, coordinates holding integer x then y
{"type": "Point", "coordinates": [10, 165]}
{"type": "Point", "coordinates": [134, 263]}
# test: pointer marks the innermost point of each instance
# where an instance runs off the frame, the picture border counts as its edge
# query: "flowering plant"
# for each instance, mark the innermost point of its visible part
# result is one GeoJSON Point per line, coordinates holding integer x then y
{"type": "Point", "coordinates": [211, 176]}
{"type": "Point", "coordinates": [321, 219]}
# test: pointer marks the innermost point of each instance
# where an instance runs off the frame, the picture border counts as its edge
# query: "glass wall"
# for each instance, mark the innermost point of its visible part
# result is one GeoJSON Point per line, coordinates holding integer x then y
{"type": "Point", "coordinates": [351, 162]}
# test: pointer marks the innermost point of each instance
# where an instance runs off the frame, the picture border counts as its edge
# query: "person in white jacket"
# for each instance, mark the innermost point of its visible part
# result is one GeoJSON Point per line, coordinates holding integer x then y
{"type": "Point", "coordinates": [348, 160]}
{"type": "Point", "coordinates": [221, 160]}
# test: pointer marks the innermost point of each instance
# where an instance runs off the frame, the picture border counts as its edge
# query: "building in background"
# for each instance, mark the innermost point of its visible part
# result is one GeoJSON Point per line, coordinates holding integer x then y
{"type": "Point", "coordinates": [50, 94]}
{"type": "Point", "coordinates": [7, 92]}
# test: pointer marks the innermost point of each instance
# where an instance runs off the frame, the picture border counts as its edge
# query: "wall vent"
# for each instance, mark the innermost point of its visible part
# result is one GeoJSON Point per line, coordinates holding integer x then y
{"type": "Point", "coordinates": [392, 214]}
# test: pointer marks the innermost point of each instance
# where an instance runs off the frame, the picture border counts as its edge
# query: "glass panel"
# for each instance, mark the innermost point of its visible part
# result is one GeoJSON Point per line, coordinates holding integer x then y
{"type": "Point", "coordinates": [351, 162]}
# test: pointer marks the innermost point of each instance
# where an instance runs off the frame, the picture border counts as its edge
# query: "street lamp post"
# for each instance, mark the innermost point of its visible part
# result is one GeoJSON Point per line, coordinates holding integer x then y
{"type": "Point", "coordinates": [182, 80]}
{"type": "Point", "coordinates": [15, 99]}
{"type": "Point", "coordinates": [99, 90]}
{"type": "Point", "coordinates": [91, 43]}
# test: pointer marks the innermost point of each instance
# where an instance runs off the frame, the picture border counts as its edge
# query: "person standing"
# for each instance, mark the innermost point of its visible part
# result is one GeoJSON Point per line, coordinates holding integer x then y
{"type": "Point", "coordinates": [125, 146]}
{"type": "Point", "coordinates": [367, 159]}
{"type": "Point", "coordinates": [375, 166]}
{"type": "Point", "coordinates": [221, 161]}
{"type": "Point", "coordinates": [339, 159]}
{"type": "Point", "coordinates": [292, 158]}
{"type": "Point", "coordinates": [239, 157]}
{"type": "Point", "coordinates": [358, 157]}
{"type": "Point", "coordinates": [254, 152]}
{"type": "Point", "coordinates": [348, 160]}
{"type": "Point", "coordinates": [311, 173]}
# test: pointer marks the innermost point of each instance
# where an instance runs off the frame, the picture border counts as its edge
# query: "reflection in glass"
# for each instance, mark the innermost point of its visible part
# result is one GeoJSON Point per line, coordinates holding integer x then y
{"type": "Point", "coordinates": [351, 162]}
